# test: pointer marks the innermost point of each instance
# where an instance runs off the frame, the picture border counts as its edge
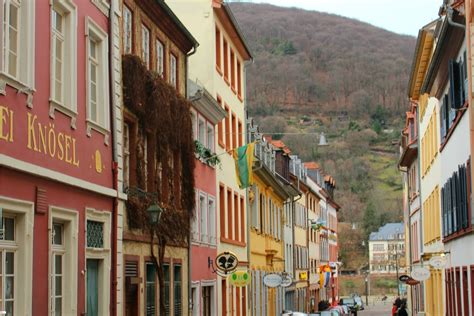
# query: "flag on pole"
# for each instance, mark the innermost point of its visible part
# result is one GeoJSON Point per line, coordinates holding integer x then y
{"type": "Point", "coordinates": [243, 157]}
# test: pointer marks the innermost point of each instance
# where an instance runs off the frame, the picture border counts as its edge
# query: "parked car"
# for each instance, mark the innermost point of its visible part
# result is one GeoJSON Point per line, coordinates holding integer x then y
{"type": "Point", "coordinates": [350, 302]}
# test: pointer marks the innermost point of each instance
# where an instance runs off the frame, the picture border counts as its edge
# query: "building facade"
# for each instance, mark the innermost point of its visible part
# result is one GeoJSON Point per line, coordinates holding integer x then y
{"type": "Point", "coordinates": [57, 172]}
{"type": "Point", "coordinates": [387, 249]}
{"type": "Point", "coordinates": [155, 47]}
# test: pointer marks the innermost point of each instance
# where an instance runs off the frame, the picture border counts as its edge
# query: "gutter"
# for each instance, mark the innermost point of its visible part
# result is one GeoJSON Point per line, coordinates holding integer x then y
{"type": "Point", "coordinates": [190, 304]}
{"type": "Point", "coordinates": [115, 208]}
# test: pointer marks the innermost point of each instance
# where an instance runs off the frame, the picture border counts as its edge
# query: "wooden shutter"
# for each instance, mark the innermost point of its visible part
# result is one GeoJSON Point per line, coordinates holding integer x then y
{"type": "Point", "coordinates": [442, 124]}
{"type": "Point", "coordinates": [455, 90]}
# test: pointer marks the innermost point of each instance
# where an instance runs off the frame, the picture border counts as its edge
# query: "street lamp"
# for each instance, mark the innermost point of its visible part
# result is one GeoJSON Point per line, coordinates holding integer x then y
{"type": "Point", "coordinates": [367, 289]}
{"type": "Point", "coordinates": [154, 213]}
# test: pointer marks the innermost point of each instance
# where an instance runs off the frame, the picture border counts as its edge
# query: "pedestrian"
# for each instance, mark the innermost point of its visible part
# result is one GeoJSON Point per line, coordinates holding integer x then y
{"type": "Point", "coordinates": [402, 311]}
{"type": "Point", "coordinates": [396, 306]}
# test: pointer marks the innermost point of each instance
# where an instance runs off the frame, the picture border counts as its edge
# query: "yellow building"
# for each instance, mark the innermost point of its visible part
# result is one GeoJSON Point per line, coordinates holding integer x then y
{"type": "Point", "coordinates": [266, 201]}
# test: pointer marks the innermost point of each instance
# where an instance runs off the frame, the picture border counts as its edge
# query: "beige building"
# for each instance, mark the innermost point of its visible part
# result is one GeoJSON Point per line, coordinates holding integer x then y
{"type": "Point", "coordinates": [219, 66]}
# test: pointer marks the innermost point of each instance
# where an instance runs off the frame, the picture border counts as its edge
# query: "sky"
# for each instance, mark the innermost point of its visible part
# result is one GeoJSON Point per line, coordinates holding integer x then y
{"type": "Point", "coordinates": [399, 16]}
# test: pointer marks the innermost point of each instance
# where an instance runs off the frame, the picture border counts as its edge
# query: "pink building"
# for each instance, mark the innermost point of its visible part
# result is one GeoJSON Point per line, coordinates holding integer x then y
{"type": "Point", "coordinates": [206, 113]}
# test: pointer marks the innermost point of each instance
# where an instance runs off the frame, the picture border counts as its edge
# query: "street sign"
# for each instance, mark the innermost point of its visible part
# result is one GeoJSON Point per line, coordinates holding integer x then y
{"type": "Point", "coordinates": [404, 278]}
{"type": "Point", "coordinates": [272, 280]}
{"type": "Point", "coordinates": [239, 278]}
{"type": "Point", "coordinates": [286, 281]}
{"type": "Point", "coordinates": [226, 262]}
{"type": "Point", "coordinates": [420, 273]}
{"type": "Point", "coordinates": [438, 262]}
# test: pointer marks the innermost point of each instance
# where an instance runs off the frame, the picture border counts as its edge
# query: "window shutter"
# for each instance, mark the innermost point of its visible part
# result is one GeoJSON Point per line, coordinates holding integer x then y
{"type": "Point", "coordinates": [464, 81]}
{"type": "Point", "coordinates": [443, 120]}
{"type": "Point", "coordinates": [443, 211]}
{"type": "Point", "coordinates": [455, 89]}
{"type": "Point", "coordinates": [464, 214]}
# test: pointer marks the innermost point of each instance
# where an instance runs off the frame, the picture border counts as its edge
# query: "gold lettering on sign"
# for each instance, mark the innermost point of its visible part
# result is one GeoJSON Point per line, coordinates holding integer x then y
{"type": "Point", "coordinates": [43, 138]}
{"type": "Point", "coordinates": [6, 124]}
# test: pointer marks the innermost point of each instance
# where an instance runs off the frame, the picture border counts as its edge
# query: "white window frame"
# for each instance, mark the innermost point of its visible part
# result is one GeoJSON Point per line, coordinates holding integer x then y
{"type": "Point", "coordinates": [102, 5]}
{"type": "Point", "coordinates": [196, 219]}
{"type": "Point", "coordinates": [24, 80]}
{"type": "Point", "coordinates": [203, 218]}
{"type": "Point", "coordinates": [145, 47]}
{"type": "Point", "coordinates": [211, 219]}
{"type": "Point", "coordinates": [202, 138]}
{"type": "Point", "coordinates": [173, 69]}
{"type": "Point", "coordinates": [68, 104]}
{"type": "Point", "coordinates": [102, 122]}
{"type": "Point", "coordinates": [103, 254]}
{"type": "Point", "coordinates": [160, 57]}
{"type": "Point", "coordinates": [24, 222]}
{"type": "Point", "coordinates": [210, 137]}
{"type": "Point", "coordinates": [194, 118]}
{"type": "Point", "coordinates": [127, 29]}
{"type": "Point", "coordinates": [70, 220]}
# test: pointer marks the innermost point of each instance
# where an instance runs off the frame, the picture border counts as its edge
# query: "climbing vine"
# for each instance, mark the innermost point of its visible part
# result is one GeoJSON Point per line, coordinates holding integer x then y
{"type": "Point", "coordinates": [206, 155]}
{"type": "Point", "coordinates": [164, 120]}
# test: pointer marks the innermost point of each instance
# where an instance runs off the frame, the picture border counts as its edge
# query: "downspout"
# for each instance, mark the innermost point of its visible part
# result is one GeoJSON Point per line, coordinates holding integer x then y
{"type": "Point", "coordinates": [190, 305]}
{"type": "Point", "coordinates": [113, 296]}
{"type": "Point", "coordinates": [449, 15]}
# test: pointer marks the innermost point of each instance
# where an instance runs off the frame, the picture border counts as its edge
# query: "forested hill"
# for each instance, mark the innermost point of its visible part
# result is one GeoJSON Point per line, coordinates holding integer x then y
{"type": "Point", "coordinates": [323, 61]}
{"type": "Point", "coordinates": [315, 72]}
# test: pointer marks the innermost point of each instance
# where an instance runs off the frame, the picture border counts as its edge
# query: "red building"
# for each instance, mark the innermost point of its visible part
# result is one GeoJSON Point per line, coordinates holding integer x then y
{"type": "Point", "coordinates": [206, 113]}
{"type": "Point", "coordinates": [57, 184]}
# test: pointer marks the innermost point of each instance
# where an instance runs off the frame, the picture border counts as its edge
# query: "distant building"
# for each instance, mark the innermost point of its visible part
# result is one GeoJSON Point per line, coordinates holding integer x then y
{"type": "Point", "coordinates": [387, 249]}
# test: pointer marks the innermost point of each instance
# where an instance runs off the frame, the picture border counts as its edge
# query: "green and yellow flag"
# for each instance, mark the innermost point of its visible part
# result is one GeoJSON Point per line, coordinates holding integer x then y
{"type": "Point", "coordinates": [243, 157]}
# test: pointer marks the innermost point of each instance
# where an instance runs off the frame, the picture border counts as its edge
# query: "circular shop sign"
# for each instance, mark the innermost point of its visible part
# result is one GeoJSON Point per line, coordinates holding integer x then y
{"type": "Point", "coordinates": [404, 278]}
{"type": "Point", "coordinates": [286, 281]}
{"type": "Point", "coordinates": [438, 262]}
{"type": "Point", "coordinates": [239, 278]}
{"type": "Point", "coordinates": [226, 262]}
{"type": "Point", "coordinates": [420, 273]}
{"type": "Point", "coordinates": [272, 280]}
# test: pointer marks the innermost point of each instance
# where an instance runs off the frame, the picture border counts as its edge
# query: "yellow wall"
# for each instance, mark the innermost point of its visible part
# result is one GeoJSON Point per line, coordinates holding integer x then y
{"type": "Point", "coordinates": [432, 217]}
{"type": "Point", "coordinates": [434, 294]}
{"type": "Point", "coordinates": [429, 143]}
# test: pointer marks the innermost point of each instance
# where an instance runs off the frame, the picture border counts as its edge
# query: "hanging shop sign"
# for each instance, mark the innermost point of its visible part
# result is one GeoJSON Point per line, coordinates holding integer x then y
{"type": "Point", "coordinates": [226, 262]}
{"type": "Point", "coordinates": [272, 280]}
{"type": "Point", "coordinates": [303, 276]}
{"type": "Point", "coordinates": [420, 274]}
{"type": "Point", "coordinates": [239, 278]}
{"type": "Point", "coordinates": [286, 281]}
{"type": "Point", "coordinates": [412, 282]}
{"type": "Point", "coordinates": [438, 262]}
{"type": "Point", "coordinates": [404, 278]}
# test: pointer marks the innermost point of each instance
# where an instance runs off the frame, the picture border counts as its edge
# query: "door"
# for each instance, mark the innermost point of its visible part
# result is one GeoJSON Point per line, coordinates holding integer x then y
{"type": "Point", "coordinates": [92, 287]}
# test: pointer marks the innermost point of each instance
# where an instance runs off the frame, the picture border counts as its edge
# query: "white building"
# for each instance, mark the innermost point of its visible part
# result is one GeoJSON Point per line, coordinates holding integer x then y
{"type": "Point", "coordinates": [387, 249]}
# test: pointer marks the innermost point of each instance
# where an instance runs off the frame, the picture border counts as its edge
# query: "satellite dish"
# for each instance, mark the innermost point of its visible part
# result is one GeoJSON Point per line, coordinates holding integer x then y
{"type": "Point", "coordinates": [322, 140]}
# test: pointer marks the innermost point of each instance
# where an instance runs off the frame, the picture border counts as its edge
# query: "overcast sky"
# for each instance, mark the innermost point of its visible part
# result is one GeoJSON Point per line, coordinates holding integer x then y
{"type": "Point", "coordinates": [400, 16]}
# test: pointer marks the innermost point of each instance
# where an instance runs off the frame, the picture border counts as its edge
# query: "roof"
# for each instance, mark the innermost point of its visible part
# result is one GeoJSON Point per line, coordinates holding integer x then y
{"type": "Point", "coordinates": [232, 27]}
{"type": "Point", "coordinates": [281, 145]}
{"type": "Point", "coordinates": [312, 165]}
{"type": "Point", "coordinates": [388, 232]}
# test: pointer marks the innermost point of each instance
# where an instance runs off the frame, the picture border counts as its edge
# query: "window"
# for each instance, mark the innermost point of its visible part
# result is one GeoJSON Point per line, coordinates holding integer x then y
{"type": "Point", "coordinates": [226, 61]}
{"type": "Point", "coordinates": [203, 217]}
{"type": "Point", "coordinates": [150, 288]}
{"type": "Point", "coordinates": [202, 131]}
{"type": "Point", "coordinates": [7, 262]}
{"type": "Point", "coordinates": [16, 51]}
{"type": "Point", "coordinates": [63, 57]}
{"type": "Point", "coordinates": [126, 155]}
{"type": "Point", "coordinates": [236, 214]}
{"type": "Point", "coordinates": [222, 210]}
{"type": "Point", "coordinates": [57, 262]}
{"type": "Point", "coordinates": [207, 309]}
{"type": "Point", "coordinates": [146, 46]}
{"type": "Point", "coordinates": [242, 220]}
{"type": "Point", "coordinates": [255, 207]}
{"type": "Point", "coordinates": [212, 220]}
{"type": "Point", "coordinates": [167, 283]}
{"type": "Point", "coordinates": [97, 70]}
{"type": "Point", "coordinates": [195, 220]}
{"type": "Point", "coordinates": [230, 233]}
{"type": "Point", "coordinates": [127, 30]}
{"type": "Point", "coordinates": [220, 131]}
{"type": "Point", "coordinates": [194, 122]}
{"type": "Point", "coordinates": [177, 297]}
{"type": "Point", "coordinates": [234, 132]}
{"type": "Point", "coordinates": [218, 49]}
{"type": "Point", "coordinates": [239, 79]}
{"type": "Point", "coordinates": [227, 129]}
{"type": "Point", "coordinates": [160, 57]}
{"type": "Point", "coordinates": [173, 70]}
{"type": "Point", "coordinates": [210, 137]}
{"type": "Point", "coordinates": [240, 134]}
{"type": "Point", "coordinates": [232, 69]}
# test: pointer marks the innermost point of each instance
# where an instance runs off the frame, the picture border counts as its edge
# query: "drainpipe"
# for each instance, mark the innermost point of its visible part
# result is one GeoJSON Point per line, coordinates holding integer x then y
{"type": "Point", "coordinates": [113, 110]}
{"type": "Point", "coordinates": [190, 305]}
{"type": "Point", "coordinates": [449, 15]}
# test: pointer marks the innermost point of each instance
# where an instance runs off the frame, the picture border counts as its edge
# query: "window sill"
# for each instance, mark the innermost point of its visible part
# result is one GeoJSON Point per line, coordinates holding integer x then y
{"type": "Point", "coordinates": [21, 87]}
{"type": "Point", "coordinates": [55, 106]}
{"type": "Point", "coordinates": [459, 234]}
{"type": "Point", "coordinates": [103, 6]}
{"type": "Point", "coordinates": [100, 129]}
{"type": "Point", "coordinates": [233, 242]}
{"type": "Point", "coordinates": [219, 71]}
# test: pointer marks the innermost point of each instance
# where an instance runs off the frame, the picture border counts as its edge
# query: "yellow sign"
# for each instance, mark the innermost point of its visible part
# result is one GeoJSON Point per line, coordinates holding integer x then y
{"type": "Point", "coordinates": [303, 276]}
{"type": "Point", "coordinates": [6, 124]}
{"type": "Point", "coordinates": [239, 278]}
